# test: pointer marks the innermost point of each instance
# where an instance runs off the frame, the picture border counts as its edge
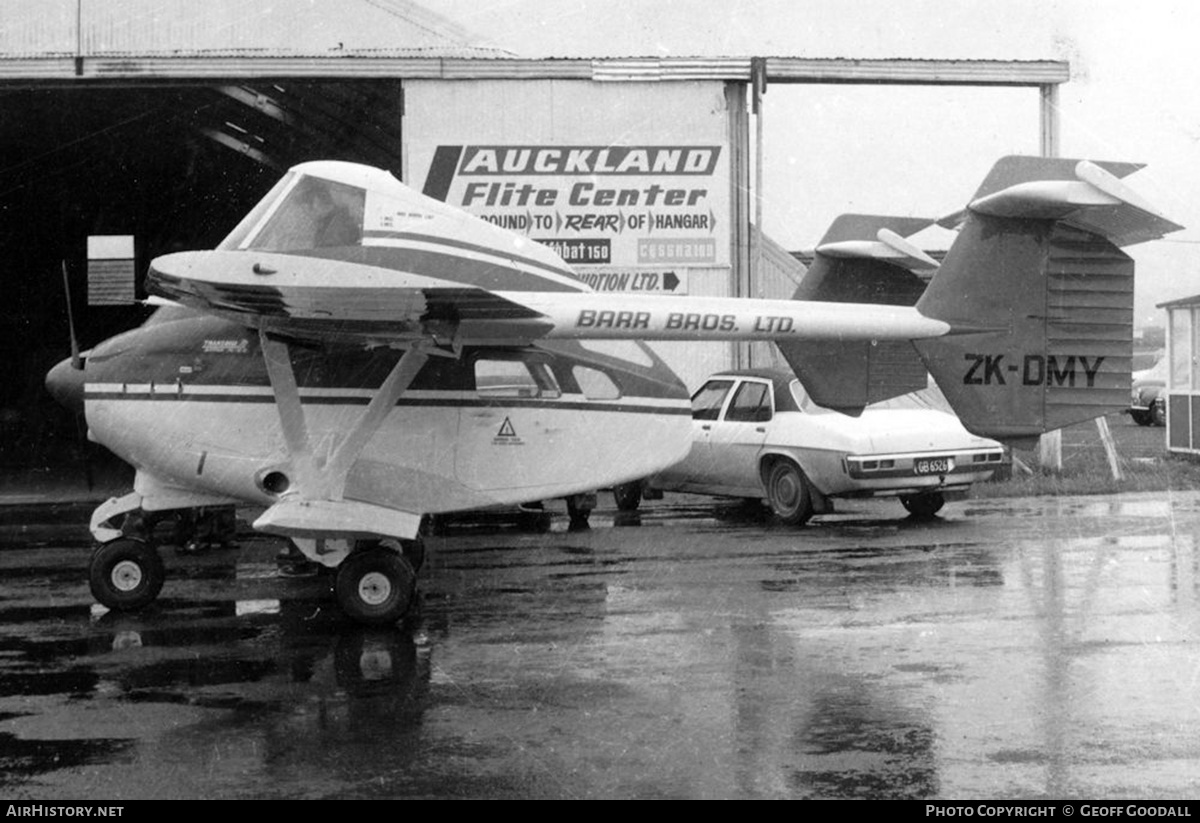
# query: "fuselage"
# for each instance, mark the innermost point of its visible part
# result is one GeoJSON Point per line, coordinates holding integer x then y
{"type": "Point", "coordinates": [186, 399]}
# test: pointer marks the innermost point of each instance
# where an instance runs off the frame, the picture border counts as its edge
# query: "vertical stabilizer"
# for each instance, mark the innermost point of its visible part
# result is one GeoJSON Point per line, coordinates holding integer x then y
{"type": "Point", "coordinates": [1039, 297]}
{"type": "Point", "coordinates": [862, 258]}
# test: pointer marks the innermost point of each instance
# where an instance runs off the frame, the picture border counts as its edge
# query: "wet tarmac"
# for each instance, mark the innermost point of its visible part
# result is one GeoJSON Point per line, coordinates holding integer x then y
{"type": "Point", "coordinates": [1024, 649]}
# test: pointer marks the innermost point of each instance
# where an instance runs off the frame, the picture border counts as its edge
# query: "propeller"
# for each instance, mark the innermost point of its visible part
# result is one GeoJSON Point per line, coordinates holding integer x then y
{"type": "Point", "coordinates": [76, 358]}
{"type": "Point", "coordinates": [68, 388]}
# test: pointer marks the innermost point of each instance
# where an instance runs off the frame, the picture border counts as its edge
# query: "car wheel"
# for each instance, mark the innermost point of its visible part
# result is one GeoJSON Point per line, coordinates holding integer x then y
{"type": "Point", "coordinates": [923, 506]}
{"type": "Point", "coordinates": [375, 587]}
{"type": "Point", "coordinates": [1142, 418]}
{"type": "Point", "coordinates": [628, 496]}
{"type": "Point", "coordinates": [1158, 413]}
{"type": "Point", "coordinates": [125, 574]}
{"type": "Point", "coordinates": [788, 494]}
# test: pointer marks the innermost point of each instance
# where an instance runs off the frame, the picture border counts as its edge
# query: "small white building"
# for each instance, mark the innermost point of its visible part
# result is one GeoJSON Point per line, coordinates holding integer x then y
{"type": "Point", "coordinates": [1183, 375]}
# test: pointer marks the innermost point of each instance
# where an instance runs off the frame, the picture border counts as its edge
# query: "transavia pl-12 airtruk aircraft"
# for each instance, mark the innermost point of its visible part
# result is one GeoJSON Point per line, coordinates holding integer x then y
{"type": "Point", "coordinates": [356, 355]}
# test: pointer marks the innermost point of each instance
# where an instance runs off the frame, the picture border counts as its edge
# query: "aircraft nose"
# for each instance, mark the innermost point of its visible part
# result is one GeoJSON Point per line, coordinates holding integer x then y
{"type": "Point", "coordinates": [65, 384]}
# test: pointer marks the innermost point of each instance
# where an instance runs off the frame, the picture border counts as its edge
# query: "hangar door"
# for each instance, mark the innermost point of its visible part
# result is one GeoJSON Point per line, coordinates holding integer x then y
{"type": "Point", "coordinates": [168, 166]}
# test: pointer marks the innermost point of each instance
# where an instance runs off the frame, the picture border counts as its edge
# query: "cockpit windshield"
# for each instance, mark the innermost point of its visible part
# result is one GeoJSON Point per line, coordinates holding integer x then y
{"type": "Point", "coordinates": [302, 212]}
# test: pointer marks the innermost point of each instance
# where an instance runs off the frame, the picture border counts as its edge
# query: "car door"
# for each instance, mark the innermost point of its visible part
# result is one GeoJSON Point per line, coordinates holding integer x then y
{"type": "Point", "coordinates": [696, 469]}
{"type": "Point", "coordinates": [737, 436]}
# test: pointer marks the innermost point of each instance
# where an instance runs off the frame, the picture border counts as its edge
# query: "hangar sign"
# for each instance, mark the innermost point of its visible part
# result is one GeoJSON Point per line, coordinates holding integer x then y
{"type": "Point", "coordinates": [630, 183]}
{"type": "Point", "coordinates": [651, 205]}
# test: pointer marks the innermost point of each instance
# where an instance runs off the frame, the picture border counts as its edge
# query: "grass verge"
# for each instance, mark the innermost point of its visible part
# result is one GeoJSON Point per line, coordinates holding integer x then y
{"type": "Point", "coordinates": [1089, 473]}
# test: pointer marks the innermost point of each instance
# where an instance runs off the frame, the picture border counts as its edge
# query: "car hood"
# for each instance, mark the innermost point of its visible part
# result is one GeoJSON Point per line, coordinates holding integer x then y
{"type": "Point", "coordinates": [878, 431]}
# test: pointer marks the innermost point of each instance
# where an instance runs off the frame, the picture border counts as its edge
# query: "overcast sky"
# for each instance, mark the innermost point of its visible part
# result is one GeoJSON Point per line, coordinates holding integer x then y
{"type": "Point", "coordinates": [921, 151]}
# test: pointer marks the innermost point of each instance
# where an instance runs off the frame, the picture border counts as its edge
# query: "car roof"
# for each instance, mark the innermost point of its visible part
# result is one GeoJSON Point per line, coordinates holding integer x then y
{"type": "Point", "coordinates": [784, 376]}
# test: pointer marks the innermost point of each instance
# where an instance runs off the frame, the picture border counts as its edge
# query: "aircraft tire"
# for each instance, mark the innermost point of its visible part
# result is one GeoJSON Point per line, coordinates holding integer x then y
{"type": "Point", "coordinates": [375, 587]}
{"type": "Point", "coordinates": [923, 506]}
{"type": "Point", "coordinates": [788, 494]}
{"type": "Point", "coordinates": [413, 550]}
{"type": "Point", "coordinates": [126, 574]}
{"type": "Point", "coordinates": [628, 496]}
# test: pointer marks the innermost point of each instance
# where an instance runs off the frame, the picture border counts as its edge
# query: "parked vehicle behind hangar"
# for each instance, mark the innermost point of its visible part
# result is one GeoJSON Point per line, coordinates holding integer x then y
{"type": "Point", "coordinates": [1148, 403]}
{"type": "Point", "coordinates": [757, 434]}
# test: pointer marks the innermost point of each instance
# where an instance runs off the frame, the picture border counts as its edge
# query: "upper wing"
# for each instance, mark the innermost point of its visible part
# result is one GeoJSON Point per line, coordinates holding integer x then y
{"type": "Point", "coordinates": [335, 300]}
{"type": "Point", "coordinates": [348, 301]}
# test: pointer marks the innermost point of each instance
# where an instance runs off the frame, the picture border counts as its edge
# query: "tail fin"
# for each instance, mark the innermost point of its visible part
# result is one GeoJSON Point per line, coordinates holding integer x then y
{"type": "Point", "coordinates": [1039, 297]}
{"type": "Point", "coordinates": [862, 258]}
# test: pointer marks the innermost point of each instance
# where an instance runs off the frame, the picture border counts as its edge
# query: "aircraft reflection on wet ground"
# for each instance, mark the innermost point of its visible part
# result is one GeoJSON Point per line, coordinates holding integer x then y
{"type": "Point", "coordinates": [1038, 648]}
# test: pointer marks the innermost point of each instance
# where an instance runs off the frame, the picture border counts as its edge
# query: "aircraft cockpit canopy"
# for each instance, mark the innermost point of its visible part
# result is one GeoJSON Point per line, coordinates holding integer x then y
{"type": "Point", "coordinates": [324, 205]}
{"type": "Point", "coordinates": [302, 212]}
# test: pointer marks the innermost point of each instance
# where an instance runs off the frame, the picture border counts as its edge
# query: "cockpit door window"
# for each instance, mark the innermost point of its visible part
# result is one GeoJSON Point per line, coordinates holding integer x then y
{"type": "Point", "coordinates": [315, 213]}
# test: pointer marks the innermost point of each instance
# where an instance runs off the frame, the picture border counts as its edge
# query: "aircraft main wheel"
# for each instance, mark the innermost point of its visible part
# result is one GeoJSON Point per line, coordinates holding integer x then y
{"type": "Point", "coordinates": [412, 550]}
{"type": "Point", "coordinates": [126, 574]}
{"type": "Point", "coordinates": [923, 506]}
{"type": "Point", "coordinates": [787, 493]}
{"type": "Point", "coordinates": [375, 587]}
{"type": "Point", "coordinates": [628, 496]}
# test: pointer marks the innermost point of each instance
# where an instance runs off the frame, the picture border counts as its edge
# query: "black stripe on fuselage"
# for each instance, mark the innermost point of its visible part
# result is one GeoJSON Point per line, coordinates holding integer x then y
{"type": "Point", "coordinates": [472, 247]}
{"type": "Point", "coordinates": [497, 273]}
{"type": "Point", "coordinates": [169, 394]}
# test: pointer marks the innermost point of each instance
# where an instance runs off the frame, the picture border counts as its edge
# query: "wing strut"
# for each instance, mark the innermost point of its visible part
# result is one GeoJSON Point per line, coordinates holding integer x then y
{"type": "Point", "coordinates": [314, 504]}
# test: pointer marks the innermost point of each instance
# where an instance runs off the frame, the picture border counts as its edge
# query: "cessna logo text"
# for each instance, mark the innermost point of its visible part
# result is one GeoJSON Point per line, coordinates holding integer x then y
{"type": "Point", "coordinates": [589, 160]}
{"type": "Point", "coordinates": [1033, 370]}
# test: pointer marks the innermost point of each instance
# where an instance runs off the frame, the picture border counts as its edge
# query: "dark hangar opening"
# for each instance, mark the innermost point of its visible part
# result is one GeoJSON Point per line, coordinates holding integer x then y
{"type": "Point", "coordinates": [174, 166]}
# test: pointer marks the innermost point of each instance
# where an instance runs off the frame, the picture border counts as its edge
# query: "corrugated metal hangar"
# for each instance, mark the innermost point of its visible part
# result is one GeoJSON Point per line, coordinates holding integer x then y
{"type": "Point", "coordinates": [163, 121]}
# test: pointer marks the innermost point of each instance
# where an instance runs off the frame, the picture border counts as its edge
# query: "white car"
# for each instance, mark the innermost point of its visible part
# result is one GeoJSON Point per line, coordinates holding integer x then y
{"type": "Point", "coordinates": [757, 434]}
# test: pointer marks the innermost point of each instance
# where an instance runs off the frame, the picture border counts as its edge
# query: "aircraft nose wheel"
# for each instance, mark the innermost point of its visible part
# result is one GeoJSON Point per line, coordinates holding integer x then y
{"type": "Point", "coordinates": [126, 574]}
{"type": "Point", "coordinates": [375, 586]}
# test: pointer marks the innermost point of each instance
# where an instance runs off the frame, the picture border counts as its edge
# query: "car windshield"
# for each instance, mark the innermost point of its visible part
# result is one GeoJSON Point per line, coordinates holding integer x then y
{"type": "Point", "coordinates": [707, 402]}
{"type": "Point", "coordinates": [302, 212]}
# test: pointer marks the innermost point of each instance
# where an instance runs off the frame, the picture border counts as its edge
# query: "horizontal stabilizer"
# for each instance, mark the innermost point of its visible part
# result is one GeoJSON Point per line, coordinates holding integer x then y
{"type": "Point", "coordinates": [1079, 193]}
{"type": "Point", "coordinates": [297, 517]}
{"type": "Point", "coordinates": [878, 237]}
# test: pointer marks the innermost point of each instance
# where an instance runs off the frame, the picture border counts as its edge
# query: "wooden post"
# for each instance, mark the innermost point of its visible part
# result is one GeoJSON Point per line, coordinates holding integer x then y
{"type": "Point", "coordinates": [1110, 448]}
{"type": "Point", "coordinates": [1050, 450]}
